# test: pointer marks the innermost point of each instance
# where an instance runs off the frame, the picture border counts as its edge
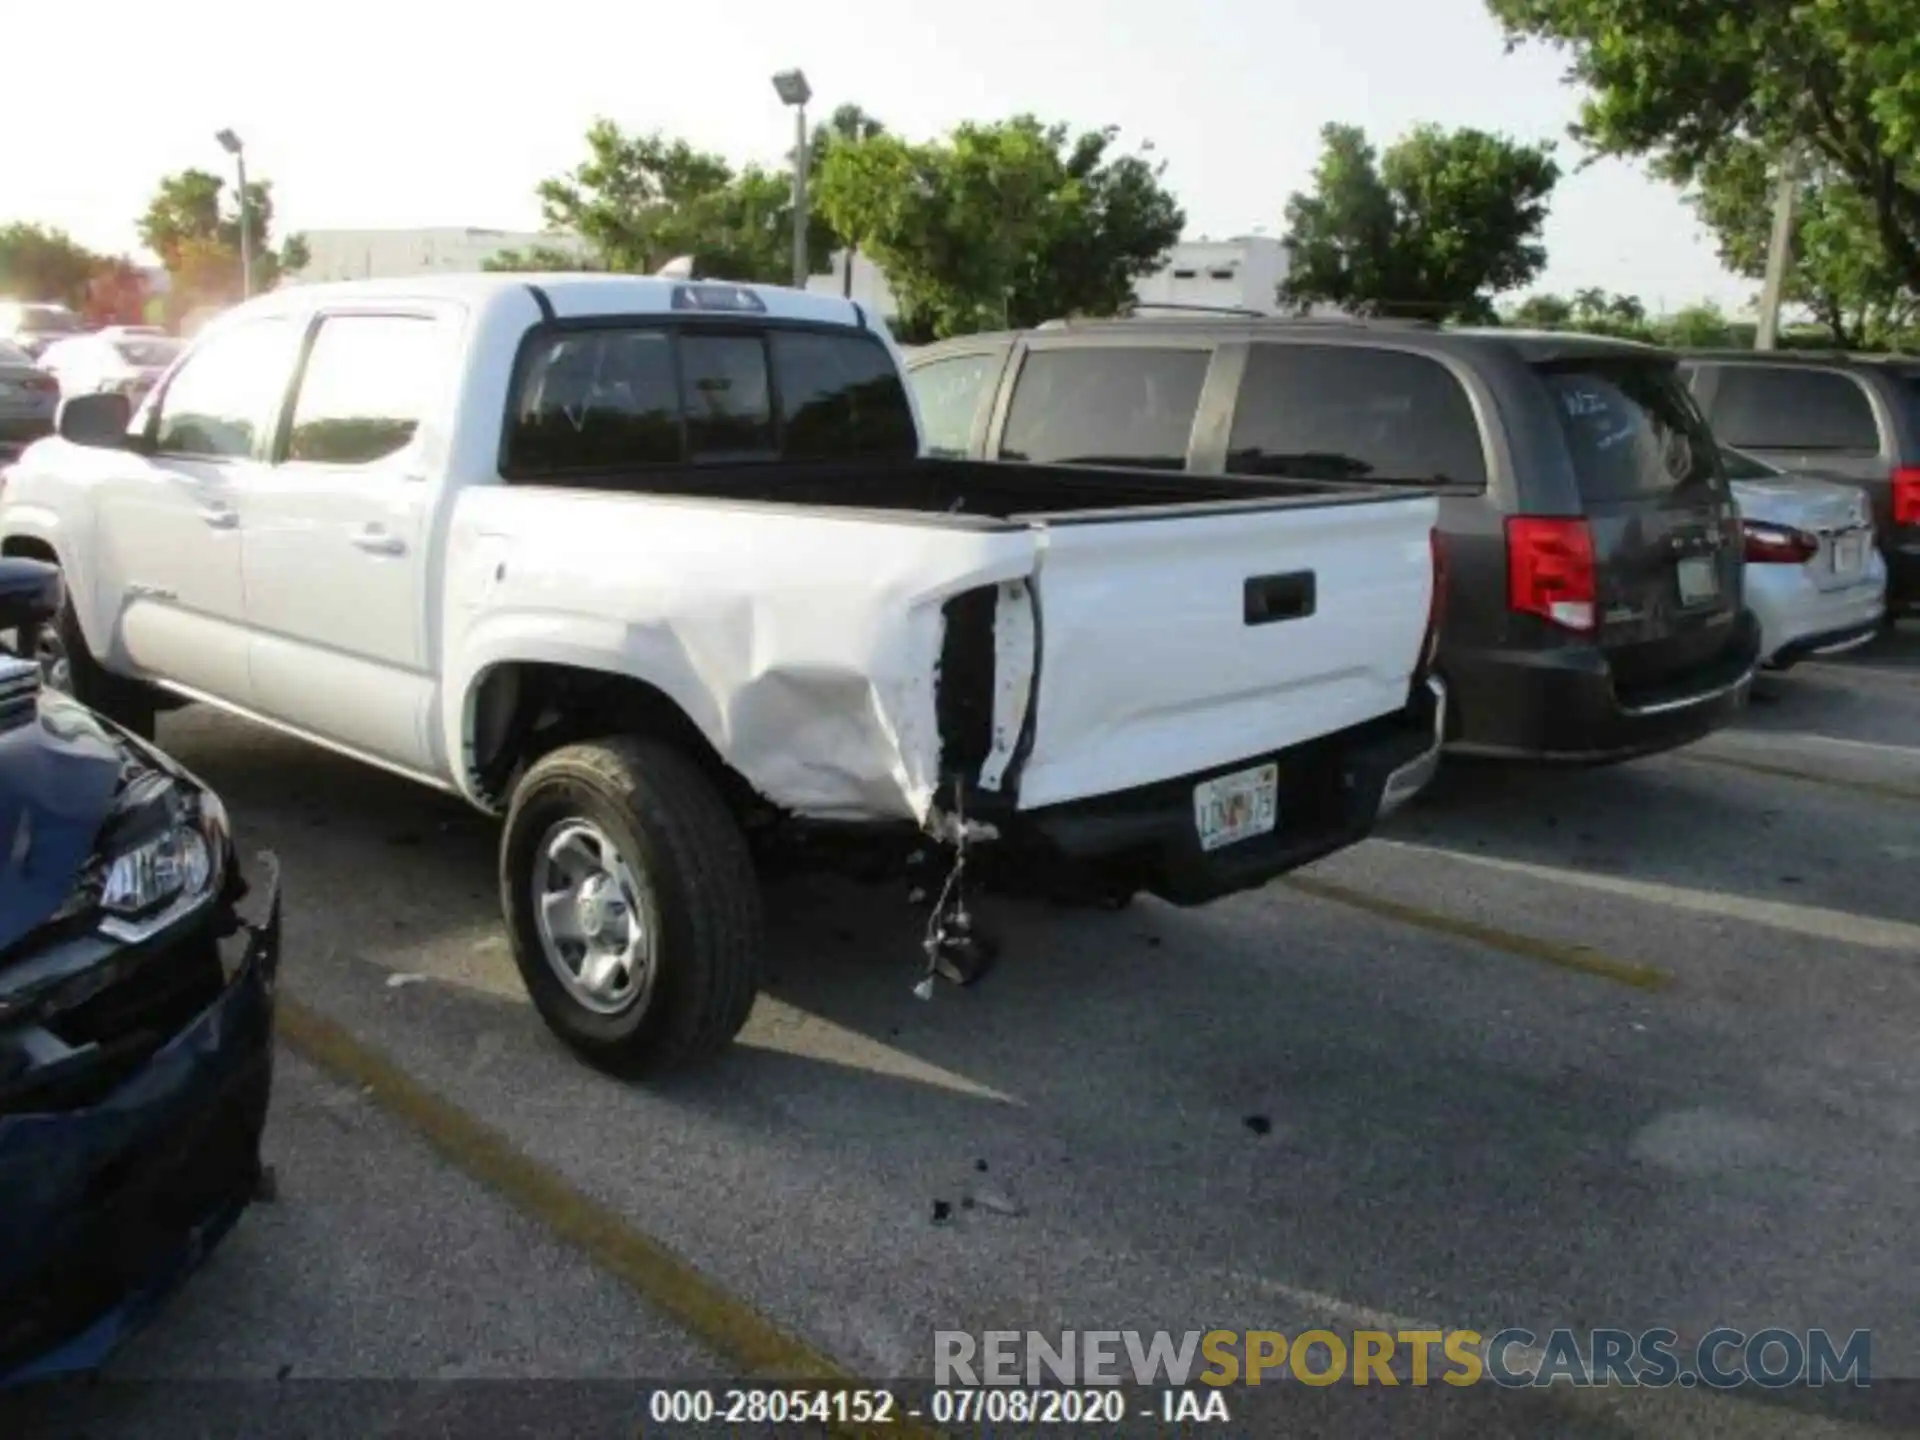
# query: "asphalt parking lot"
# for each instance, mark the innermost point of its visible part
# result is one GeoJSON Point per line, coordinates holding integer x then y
{"type": "Point", "coordinates": [1629, 1047]}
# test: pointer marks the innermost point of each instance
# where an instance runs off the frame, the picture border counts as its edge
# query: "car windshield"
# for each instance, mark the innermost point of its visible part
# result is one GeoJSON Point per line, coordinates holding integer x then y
{"type": "Point", "coordinates": [1741, 466]}
{"type": "Point", "coordinates": [146, 352]}
{"type": "Point", "coordinates": [1630, 426]}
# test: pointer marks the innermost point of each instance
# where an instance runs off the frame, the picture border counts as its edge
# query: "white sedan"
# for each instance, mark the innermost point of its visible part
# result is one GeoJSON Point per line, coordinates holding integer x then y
{"type": "Point", "coordinates": [125, 360]}
{"type": "Point", "coordinates": [1814, 578]}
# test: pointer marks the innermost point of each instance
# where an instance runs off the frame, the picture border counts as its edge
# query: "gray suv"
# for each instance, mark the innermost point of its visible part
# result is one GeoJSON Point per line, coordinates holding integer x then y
{"type": "Point", "coordinates": [1593, 607]}
{"type": "Point", "coordinates": [1843, 417]}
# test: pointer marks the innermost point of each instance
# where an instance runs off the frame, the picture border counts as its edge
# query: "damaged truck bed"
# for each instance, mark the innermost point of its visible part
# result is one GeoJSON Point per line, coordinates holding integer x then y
{"type": "Point", "coordinates": [651, 567]}
{"type": "Point", "coordinates": [852, 641]}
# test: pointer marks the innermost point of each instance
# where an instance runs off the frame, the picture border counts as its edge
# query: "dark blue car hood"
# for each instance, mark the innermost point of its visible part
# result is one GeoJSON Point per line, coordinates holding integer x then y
{"type": "Point", "coordinates": [59, 772]}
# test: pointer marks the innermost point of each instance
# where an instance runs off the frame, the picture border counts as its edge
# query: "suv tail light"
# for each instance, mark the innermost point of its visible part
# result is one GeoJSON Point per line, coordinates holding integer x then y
{"type": "Point", "coordinates": [1436, 604]}
{"type": "Point", "coordinates": [1906, 495]}
{"type": "Point", "coordinates": [1777, 544]}
{"type": "Point", "coordinates": [1550, 570]}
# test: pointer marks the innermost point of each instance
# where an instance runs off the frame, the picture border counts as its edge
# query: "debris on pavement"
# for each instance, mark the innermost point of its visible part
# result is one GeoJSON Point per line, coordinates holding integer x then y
{"type": "Point", "coordinates": [999, 1202]}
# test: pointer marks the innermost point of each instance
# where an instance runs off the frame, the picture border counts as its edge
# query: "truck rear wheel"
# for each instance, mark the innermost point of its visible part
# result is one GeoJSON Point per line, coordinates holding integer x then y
{"type": "Point", "coordinates": [632, 904]}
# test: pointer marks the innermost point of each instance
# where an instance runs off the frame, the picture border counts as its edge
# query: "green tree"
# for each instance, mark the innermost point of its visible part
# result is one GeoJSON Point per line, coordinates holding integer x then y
{"type": "Point", "coordinates": [1593, 310]}
{"type": "Point", "coordinates": [193, 225]}
{"type": "Point", "coordinates": [1434, 227]}
{"type": "Point", "coordinates": [1702, 326]}
{"type": "Point", "coordinates": [1689, 83]}
{"type": "Point", "coordinates": [640, 200]}
{"type": "Point", "coordinates": [1840, 272]}
{"type": "Point", "coordinates": [848, 125]}
{"type": "Point", "coordinates": [1001, 224]}
{"type": "Point", "coordinates": [1542, 312]}
{"type": "Point", "coordinates": [39, 263]}
{"type": "Point", "coordinates": [549, 258]}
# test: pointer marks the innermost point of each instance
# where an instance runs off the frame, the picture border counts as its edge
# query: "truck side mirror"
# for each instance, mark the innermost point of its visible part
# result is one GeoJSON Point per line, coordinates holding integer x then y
{"type": "Point", "coordinates": [99, 421]}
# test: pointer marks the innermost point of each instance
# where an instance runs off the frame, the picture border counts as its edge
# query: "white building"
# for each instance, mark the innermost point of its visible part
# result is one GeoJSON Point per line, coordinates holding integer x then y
{"type": "Point", "coordinates": [389, 254]}
{"type": "Point", "coordinates": [1243, 273]}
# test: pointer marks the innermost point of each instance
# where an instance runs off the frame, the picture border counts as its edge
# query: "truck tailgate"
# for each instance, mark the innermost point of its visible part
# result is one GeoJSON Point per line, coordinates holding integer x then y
{"type": "Point", "coordinates": [1174, 643]}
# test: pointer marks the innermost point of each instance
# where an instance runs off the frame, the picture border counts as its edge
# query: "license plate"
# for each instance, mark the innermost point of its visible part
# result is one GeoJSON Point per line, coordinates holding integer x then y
{"type": "Point", "coordinates": [1237, 806]}
{"type": "Point", "coordinates": [1699, 580]}
{"type": "Point", "coordinates": [1849, 554]}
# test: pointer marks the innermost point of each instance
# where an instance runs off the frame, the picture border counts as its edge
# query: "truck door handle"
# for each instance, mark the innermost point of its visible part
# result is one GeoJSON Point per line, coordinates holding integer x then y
{"type": "Point", "coordinates": [220, 517]}
{"type": "Point", "coordinates": [376, 541]}
{"type": "Point", "coordinates": [1270, 598]}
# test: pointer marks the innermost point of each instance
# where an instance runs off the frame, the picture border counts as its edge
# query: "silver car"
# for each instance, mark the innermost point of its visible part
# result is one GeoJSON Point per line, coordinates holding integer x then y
{"type": "Point", "coordinates": [34, 325]}
{"type": "Point", "coordinates": [28, 398]}
{"type": "Point", "coordinates": [1813, 576]}
{"type": "Point", "coordinates": [115, 360]}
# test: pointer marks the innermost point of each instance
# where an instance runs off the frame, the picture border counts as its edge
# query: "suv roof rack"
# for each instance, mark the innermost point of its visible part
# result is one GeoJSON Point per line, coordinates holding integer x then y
{"type": "Point", "coordinates": [1244, 311]}
{"type": "Point", "coordinates": [1235, 312]}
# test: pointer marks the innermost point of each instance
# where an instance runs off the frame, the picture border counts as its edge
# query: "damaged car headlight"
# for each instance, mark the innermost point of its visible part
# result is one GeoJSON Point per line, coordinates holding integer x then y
{"type": "Point", "coordinates": [162, 858]}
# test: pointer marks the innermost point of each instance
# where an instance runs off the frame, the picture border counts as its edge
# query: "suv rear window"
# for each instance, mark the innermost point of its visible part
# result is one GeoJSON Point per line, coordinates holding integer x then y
{"type": "Point", "coordinates": [1105, 405]}
{"type": "Point", "coordinates": [608, 398]}
{"type": "Point", "coordinates": [1630, 427]}
{"type": "Point", "coordinates": [1341, 412]}
{"type": "Point", "coordinates": [1780, 407]}
{"type": "Point", "coordinates": [1910, 388]}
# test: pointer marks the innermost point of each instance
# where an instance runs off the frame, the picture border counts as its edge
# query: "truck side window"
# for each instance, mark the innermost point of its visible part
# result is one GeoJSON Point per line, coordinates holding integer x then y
{"type": "Point", "coordinates": [1350, 412]}
{"type": "Point", "coordinates": [595, 400]}
{"type": "Point", "coordinates": [1105, 405]}
{"type": "Point", "coordinates": [1790, 407]}
{"type": "Point", "coordinates": [227, 392]}
{"type": "Point", "coordinates": [363, 389]}
{"type": "Point", "coordinates": [950, 393]}
{"type": "Point", "coordinates": [727, 396]}
{"type": "Point", "coordinates": [840, 398]}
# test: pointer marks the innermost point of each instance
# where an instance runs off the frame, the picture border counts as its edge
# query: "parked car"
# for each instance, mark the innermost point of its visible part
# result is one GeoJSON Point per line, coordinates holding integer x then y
{"type": "Point", "coordinates": [1844, 417]}
{"type": "Point", "coordinates": [131, 364]}
{"type": "Point", "coordinates": [1593, 604]}
{"type": "Point", "coordinates": [1814, 579]}
{"type": "Point", "coordinates": [33, 327]}
{"type": "Point", "coordinates": [28, 397]}
{"type": "Point", "coordinates": [646, 565]}
{"type": "Point", "coordinates": [136, 1017]}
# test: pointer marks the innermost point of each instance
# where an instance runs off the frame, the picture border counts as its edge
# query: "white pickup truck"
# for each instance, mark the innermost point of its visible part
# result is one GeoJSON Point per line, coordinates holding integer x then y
{"type": "Point", "coordinates": [656, 569]}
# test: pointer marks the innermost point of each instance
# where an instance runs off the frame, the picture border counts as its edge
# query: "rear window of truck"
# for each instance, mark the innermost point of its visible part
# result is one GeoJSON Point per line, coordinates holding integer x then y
{"type": "Point", "coordinates": [607, 398]}
{"type": "Point", "coordinates": [1631, 429]}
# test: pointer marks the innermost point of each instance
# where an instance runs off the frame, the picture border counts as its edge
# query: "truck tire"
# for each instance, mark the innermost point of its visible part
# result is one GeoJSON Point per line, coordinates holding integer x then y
{"type": "Point", "coordinates": [632, 904]}
{"type": "Point", "coordinates": [67, 665]}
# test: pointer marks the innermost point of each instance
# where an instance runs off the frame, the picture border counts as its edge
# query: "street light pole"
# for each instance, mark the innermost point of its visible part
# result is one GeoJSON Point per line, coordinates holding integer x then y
{"type": "Point", "coordinates": [792, 88]}
{"type": "Point", "coordinates": [1778, 246]}
{"type": "Point", "coordinates": [800, 266]}
{"type": "Point", "coordinates": [230, 142]}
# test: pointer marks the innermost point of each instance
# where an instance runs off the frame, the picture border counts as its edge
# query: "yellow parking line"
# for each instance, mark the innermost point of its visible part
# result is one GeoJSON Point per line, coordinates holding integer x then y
{"type": "Point", "coordinates": [727, 1325]}
{"type": "Point", "coordinates": [1582, 958]}
{"type": "Point", "coordinates": [1879, 789]}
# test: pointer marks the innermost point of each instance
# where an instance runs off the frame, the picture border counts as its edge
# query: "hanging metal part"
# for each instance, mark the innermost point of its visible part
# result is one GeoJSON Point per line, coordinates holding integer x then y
{"type": "Point", "coordinates": [953, 948]}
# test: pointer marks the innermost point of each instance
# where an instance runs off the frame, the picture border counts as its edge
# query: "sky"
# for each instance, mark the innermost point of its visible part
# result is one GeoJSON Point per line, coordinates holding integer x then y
{"type": "Point", "coordinates": [397, 114]}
